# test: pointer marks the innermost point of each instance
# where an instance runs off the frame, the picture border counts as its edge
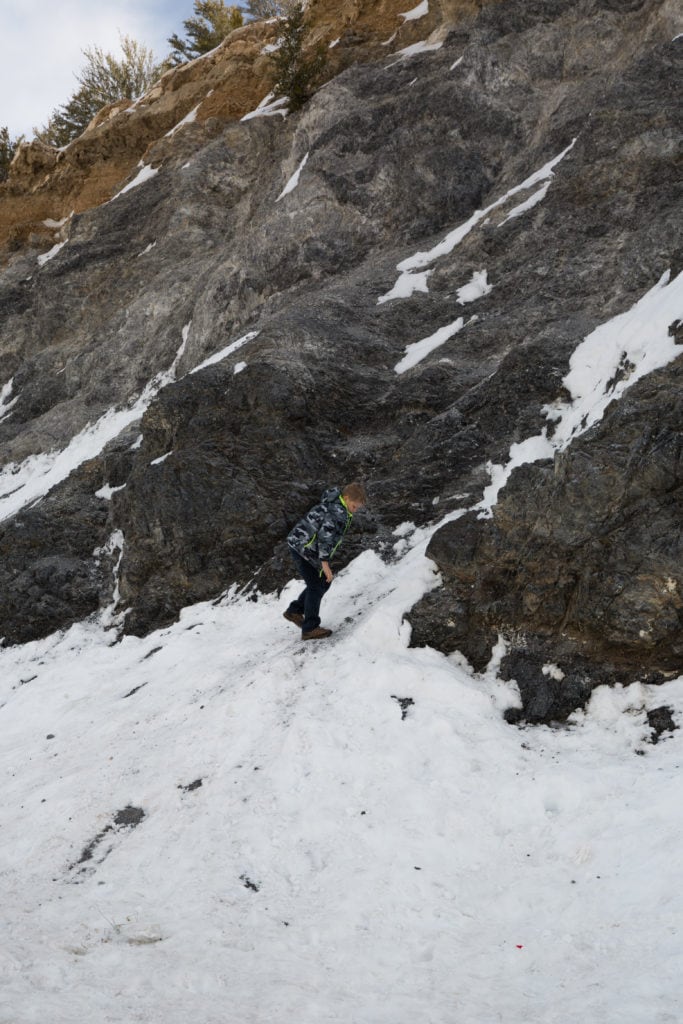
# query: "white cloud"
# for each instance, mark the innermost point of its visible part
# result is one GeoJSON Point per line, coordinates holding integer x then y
{"type": "Point", "coordinates": [43, 43]}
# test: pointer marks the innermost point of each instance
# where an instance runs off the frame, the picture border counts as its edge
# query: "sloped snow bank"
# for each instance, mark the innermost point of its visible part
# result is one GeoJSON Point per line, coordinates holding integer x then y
{"type": "Point", "coordinates": [220, 823]}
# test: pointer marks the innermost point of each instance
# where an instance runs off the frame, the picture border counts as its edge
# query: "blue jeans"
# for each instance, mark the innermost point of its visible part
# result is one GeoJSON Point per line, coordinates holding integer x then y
{"type": "Point", "coordinates": [308, 601]}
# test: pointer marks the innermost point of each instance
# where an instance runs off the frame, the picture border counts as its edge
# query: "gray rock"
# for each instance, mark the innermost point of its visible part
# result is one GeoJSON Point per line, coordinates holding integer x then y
{"type": "Point", "coordinates": [50, 573]}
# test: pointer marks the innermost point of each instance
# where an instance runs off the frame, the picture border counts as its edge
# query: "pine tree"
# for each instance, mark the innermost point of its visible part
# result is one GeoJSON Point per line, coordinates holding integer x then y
{"type": "Point", "coordinates": [104, 79]}
{"type": "Point", "coordinates": [213, 21]}
{"type": "Point", "coordinates": [8, 147]}
{"type": "Point", "coordinates": [297, 75]}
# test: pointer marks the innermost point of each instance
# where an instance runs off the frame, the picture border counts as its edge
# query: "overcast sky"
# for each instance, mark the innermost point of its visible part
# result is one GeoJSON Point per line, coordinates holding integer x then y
{"type": "Point", "coordinates": [42, 43]}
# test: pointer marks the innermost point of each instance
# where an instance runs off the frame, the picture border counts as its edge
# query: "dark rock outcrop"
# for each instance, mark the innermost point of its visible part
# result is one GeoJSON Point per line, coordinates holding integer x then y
{"type": "Point", "coordinates": [51, 574]}
{"type": "Point", "coordinates": [580, 565]}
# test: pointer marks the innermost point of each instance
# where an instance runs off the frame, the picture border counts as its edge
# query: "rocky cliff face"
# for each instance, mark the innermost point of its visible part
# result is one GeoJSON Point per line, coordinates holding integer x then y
{"type": "Point", "coordinates": [47, 186]}
{"type": "Point", "coordinates": [216, 343]}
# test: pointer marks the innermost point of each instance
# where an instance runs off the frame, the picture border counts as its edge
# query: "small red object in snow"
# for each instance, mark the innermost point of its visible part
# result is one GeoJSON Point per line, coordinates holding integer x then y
{"type": "Point", "coordinates": [520, 947]}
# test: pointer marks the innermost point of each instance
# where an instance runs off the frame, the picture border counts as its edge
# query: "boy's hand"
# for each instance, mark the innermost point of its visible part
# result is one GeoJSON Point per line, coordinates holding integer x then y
{"type": "Point", "coordinates": [329, 575]}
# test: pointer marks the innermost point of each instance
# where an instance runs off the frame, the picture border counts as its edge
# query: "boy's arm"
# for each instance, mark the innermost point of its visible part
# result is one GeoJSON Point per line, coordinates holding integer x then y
{"type": "Point", "coordinates": [327, 534]}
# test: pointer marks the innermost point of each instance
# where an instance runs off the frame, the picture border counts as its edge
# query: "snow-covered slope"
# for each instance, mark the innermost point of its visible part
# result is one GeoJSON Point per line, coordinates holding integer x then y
{"type": "Point", "coordinates": [220, 823]}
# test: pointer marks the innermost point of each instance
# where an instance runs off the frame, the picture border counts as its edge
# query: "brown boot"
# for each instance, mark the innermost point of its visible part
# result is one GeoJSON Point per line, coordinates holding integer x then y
{"type": "Point", "coordinates": [316, 634]}
{"type": "Point", "coordinates": [294, 617]}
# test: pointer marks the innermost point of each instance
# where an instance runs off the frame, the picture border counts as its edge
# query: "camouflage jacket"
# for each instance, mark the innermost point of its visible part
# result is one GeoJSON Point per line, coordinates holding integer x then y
{"type": "Point", "coordinates": [317, 536]}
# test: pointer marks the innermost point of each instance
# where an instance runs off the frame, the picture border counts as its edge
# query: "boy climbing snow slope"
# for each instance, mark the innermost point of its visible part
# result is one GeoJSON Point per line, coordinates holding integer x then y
{"type": "Point", "coordinates": [312, 543]}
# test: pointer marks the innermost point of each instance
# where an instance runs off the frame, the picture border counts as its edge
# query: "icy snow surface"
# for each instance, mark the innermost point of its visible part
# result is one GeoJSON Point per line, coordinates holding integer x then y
{"type": "Point", "coordinates": [221, 824]}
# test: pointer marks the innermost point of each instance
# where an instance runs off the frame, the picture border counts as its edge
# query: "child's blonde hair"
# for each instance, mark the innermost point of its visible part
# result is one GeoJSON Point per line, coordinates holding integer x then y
{"type": "Point", "coordinates": [355, 492]}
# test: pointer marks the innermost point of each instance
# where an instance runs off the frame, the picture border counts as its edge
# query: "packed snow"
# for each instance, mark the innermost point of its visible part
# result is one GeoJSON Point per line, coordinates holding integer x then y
{"type": "Point", "coordinates": [6, 400]}
{"type": "Point", "coordinates": [419, 350]}
{"type": "Point", "coordinates": [50, 254]}
{"type": "Point", "coordinates": [475, 289]}
{"type": "Point", "coordinates": [269, 107]}
{"type": "Point", "coordinates": [414, 50]}
{"type": "Point", "coordinates": [406, 285]}
{"type": "Point", "coordinates": [188, 119]}
{"type": "Point", "coordinates": [234, 346]}
{"type": "Point", "coordinates": [146, 173]}
{"type": "Point", "coordinates": [528, 204]}
{"type": "Point", "coordinates": [420, 11]}
{"type": "Point", "coordinates": [294, 180]}
{"type": "Point", "coordinates": [221, 823]}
